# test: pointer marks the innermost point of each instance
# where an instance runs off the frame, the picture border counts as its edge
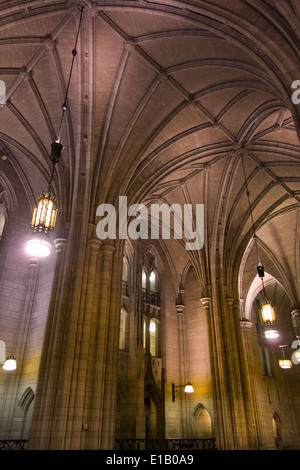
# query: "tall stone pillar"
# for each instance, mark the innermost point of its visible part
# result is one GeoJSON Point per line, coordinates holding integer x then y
{"type": "Point", "coordinates": [230, 424]}
{"type": "Point", "coordinates": [182, 362]}
{"type": "Point", "coordinates": [106, 359]}
{"type": "Point", "coordinates": [254, 426]}
{"type": "Point", "coordinates": [96, 334]}
{"type": "Point", "coordinates": [42, 419]}
{"type": "Point", "coordinates": [217, 417]}
{"type": "Point", "coordinates": [85, 351]}
{"type": "Point", "coordinates": [235, 367]}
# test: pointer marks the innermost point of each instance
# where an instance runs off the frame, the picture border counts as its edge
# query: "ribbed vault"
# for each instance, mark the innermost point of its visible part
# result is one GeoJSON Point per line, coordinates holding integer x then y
{"type": "Point", "coordinates": [166, 100]}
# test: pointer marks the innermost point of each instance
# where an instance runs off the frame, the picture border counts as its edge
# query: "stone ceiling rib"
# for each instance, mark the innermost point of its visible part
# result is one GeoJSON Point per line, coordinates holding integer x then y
{"type": "Point", "coordinates": [43, 108]}
{"type": "Point", "coordinates": [248, 129]}
{"type": "Point", "coordinates": [28, 128]}
{"type": "Point", "coordinates": [216, 81]}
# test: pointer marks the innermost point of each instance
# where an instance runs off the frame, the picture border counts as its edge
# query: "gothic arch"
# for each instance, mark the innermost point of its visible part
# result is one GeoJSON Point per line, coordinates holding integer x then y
{"type": "Point", "coordinates": [203, 421]}
{"type": "Point", "coordinates": [24, 403]}
{"type": "Point", "coordinates": [153, 392]}
{"type": "Point", "coordinates": [27, 398]}
{"type": "Point", "coordinates": [254, 290]}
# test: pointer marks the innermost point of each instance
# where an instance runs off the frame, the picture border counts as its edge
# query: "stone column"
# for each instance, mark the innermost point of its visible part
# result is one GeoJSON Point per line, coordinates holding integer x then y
{"type": "Point", "coordinates": [254, 426]}
{"type": "Point", "coordinates": [217, 418]}
{"type": "Point", "coordinates": [230, 426]}
{"type": "Point", "coordinates": [235, 365]}
{"type": "Point", "coordinates": [180, 321]}
{"type": "Point", "coordinates": [41, 423]}
{"type": "Point", "coordinates": [182, 363]}
{"type": "Point", "coordinates": [98, 353]}
{"type": "Point", "coordinates": [85, 344]}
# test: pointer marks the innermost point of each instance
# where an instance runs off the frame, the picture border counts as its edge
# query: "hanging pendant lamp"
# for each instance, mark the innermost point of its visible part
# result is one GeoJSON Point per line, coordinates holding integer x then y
{"type": "Point", "coordinates": [267, 311]}
{"type": "Point", "coordinates": [45, 212]}
{"type": "Point", "coordinates": [284, 363]}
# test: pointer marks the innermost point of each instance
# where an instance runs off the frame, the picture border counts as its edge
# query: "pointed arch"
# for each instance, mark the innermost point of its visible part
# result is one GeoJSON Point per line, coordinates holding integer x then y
{"type": "Point", "coordinates": [184, 273]}
{"type": "Point", "coordinates": [203, 421]}
{"type": "Point", "coordinates": [153, 392]}
{"type": "Point", "coordinates": [27, 398]}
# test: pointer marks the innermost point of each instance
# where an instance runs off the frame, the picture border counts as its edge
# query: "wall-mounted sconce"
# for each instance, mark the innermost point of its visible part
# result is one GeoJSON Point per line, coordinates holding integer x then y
{"type": "Point", "coordinates": [188, 388]}
{"type": "Point", "coordinates": [10, 363]}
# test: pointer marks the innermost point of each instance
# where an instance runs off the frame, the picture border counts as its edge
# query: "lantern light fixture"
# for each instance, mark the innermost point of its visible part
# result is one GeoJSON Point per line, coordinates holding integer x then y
{"type": "Point", "coordinates": [43, 222]}
{"type": "Point", "coordinates": [45, 212]}
{"type": "Point", "coordinates": [268, 317]}
{"type": "Point", "coordinates": [188, 388]}
{"type": "Point", "coordinates": [284, 363]}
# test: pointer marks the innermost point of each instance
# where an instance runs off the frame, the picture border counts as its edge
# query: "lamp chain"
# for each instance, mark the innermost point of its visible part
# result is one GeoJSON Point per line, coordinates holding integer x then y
{"type": "Point", "coordinates": [252, 222]}
{"type": "Point", "coordinates": [74, 53]}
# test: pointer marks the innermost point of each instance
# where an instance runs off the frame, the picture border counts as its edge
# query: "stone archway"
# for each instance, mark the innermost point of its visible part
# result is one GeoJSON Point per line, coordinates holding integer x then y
{"type": "Point", "coordinates": [277, 431]}
{"type": "Point", "coordinates": [203, 422]}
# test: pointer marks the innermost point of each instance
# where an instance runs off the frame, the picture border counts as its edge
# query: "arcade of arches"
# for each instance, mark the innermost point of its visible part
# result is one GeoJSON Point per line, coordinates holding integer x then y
{"type": "Point", "coordinates": [173, 102]}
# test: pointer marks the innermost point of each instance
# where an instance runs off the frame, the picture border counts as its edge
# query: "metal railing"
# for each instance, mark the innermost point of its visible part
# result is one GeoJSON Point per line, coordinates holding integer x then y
{"type": "Point", "coordinates": [13, 444]}
{"type": "Point", "coordinates": [132, 444]}
{"type": "Point", "coordinates": [165, 444]}
{"type": "Point", "coordinates": [125, 288]}
{"type": "Point", "coordinates": [151, 297]}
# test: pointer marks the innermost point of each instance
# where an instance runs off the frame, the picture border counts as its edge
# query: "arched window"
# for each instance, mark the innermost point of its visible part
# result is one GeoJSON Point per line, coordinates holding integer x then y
{"type": "Point", "coordinates": [150, 288]}
{"type": "Point", "coordinates": [154, 294]}
{"type": "Point", "coordinates": [2, 352]}
{"type": "Point", "coordinates": [2, 222]}
{"type": "Point", "coordinates": [152, 310]}
{"type": "Point", "coordinates": [145, 335]}
{"type": "Point", "coordinates": [265, 360]}
{"type": "Point", "coordinates": [153, 331]}
{"type": "Point", "coordinates": [123, 329]}
{"type": "Point", "coordinates": [144, 286]}
{"type": "Point", "coordinates": [151, 336]}
{"type": "Point", "coordinates": [125, 279]}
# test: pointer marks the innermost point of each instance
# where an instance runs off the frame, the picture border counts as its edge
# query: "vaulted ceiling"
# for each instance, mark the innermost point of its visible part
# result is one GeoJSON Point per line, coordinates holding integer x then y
{"type": "Point", "coordinates": [168, 101]}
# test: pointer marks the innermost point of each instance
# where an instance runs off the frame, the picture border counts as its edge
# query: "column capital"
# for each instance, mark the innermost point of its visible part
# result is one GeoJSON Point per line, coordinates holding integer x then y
{"type": "Point", "coordinates": [180, 298]}
{"type": "Point", "coordinates": [33, 261]}
{"type": "Point", "coordinates": [245, 324]}
{"type": "Point", "coordinates": [107, 249]}
{"type": "Point", "coordinates": [59, 244]}
{"type": "Point", "coordinates": [94, 244]}
{"type": "Point", "coordinates": [229, 301]}
{"type": "Point", "coordinates": [180, 309]}
{"type": "Point", "coordinates": [206, 302]}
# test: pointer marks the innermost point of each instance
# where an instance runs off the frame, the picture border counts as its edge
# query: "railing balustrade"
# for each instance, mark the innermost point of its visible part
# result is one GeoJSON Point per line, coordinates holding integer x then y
{"type": "Point", "coordinates": [125, 288]}
{"type": "Point", "coordinates": [132, 444]}
{"type": "Point", "coordinates": [13, 444]}
{"type": "Point", "coordinates": [165, 444]}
